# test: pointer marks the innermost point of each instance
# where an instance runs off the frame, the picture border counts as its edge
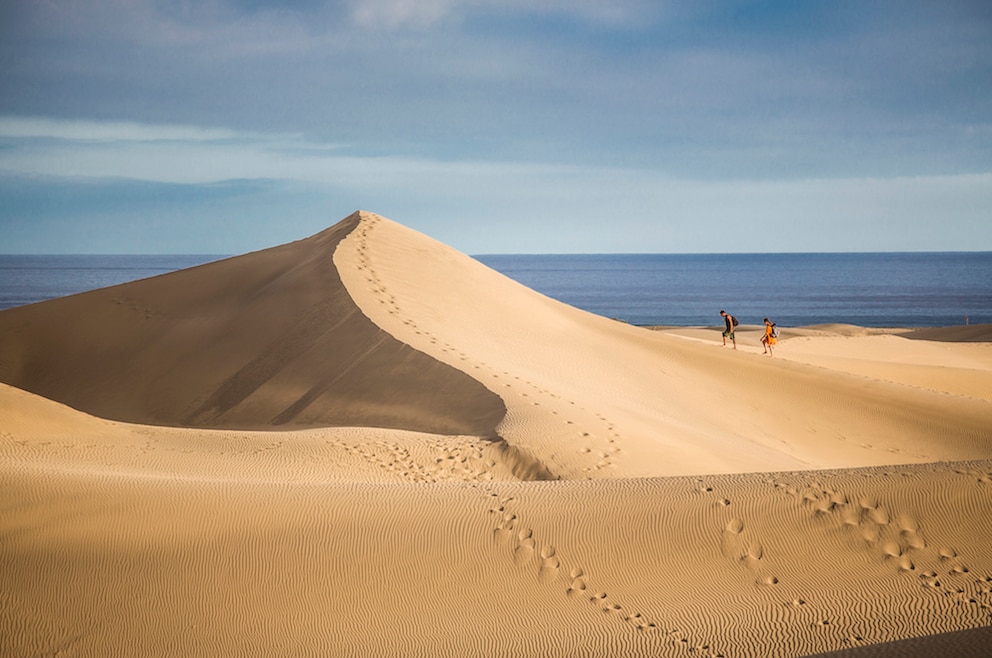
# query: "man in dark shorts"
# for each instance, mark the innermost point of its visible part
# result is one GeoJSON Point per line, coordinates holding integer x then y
{"type": "Point", "coordinates": [731, 322]}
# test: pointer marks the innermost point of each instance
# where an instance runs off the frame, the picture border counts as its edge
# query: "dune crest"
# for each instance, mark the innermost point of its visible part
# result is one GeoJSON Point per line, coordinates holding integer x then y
{"type": "Point", "coordinates": [269, 339]}
{"type": "Point", "coordinates": [589, 397]}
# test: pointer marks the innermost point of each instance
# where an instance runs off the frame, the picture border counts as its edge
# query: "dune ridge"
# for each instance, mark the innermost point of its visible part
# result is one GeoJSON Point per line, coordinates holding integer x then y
{"type": "Point", "coordinates": [629, 493]}
{"type": "Point", "coordinates": [632, 402]}
{"type": "Point", "coordinates": [268, 339]}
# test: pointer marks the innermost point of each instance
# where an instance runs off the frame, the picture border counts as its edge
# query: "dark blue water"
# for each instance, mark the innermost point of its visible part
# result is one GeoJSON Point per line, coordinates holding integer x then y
{"type": "Point", "coordinates": [29, 279]}
{"type": "Point", "coordinates": [872, 290]}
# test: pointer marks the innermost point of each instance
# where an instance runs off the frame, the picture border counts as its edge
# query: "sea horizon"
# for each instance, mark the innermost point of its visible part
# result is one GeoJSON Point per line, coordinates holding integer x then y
{"type": "Point", "coordinates": [872, 289]}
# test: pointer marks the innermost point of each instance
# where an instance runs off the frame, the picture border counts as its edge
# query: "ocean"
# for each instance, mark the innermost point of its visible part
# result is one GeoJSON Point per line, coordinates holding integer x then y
{"type": "Point", "coordinates": [867, 289]}
{"type": "Point", "coordinates": [25, 279]}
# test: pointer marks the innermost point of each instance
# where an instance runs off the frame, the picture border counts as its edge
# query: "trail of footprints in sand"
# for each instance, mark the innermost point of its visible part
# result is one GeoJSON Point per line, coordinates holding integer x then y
{"type": "Point", "coordinates": [466, 462]}
{"type": "Point", "coordinates": [548, 566]}
{"type": "Point", "coordinates": [740, 546]}
{"type": "Point", "coordinates": [896, 537]}
{"type": "Point", "coordinates": [599, 452]}
{"type": "Point", "coordinates": [528, 551]}
{"type": "Point", "coordinates": [891, 536]}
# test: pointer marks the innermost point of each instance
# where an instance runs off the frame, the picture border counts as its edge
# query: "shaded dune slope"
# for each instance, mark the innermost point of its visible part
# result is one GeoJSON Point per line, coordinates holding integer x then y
{"type": "Point", "coordinates": [269, 339]}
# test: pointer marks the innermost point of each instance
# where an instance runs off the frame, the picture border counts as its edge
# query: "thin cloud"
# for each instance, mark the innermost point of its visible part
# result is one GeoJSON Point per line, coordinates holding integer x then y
{"type": "Point", "coordinates": [425, 14]}
{"type": "Point", "coordinates": [118, 131]}
{"type": "Point", "coordinates": [642, 202]}
{"type": "Point", "coordinates": [193, 155]}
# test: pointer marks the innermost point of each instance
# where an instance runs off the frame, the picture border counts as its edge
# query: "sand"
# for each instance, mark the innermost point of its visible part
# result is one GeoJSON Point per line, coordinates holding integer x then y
{"type": "Point", "coordinates": [366, 443]}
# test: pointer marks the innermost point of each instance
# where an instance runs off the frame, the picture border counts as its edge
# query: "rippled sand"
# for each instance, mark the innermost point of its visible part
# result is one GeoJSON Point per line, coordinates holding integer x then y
{"type": "Point", "coordinates": [366, 443]}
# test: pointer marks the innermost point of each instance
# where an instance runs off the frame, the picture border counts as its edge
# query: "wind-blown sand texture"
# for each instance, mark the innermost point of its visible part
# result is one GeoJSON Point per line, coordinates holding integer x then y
{"type": "Point", "coordinates": [368, 444]}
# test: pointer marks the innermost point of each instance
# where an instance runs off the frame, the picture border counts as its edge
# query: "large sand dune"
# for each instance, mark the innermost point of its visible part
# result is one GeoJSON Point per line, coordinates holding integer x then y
{"type": "Point", "coordinates": [368, 444]}
{"type": "Point", "coordinates": [270, 339]}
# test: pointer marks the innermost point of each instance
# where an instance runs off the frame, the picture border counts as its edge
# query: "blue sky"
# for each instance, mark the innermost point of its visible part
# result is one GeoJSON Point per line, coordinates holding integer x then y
{"type": "Point", "coordinates": [510, 126]}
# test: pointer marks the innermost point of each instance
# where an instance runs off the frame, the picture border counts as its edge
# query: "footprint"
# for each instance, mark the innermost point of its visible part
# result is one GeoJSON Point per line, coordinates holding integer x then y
{"type": "Point", "coordinates": [879, 515]}
{"type": "Point", "coordinates": [839, 499]}
{"type": "Point", "coordinates": [549, 569]}
{"type": "Point", "coordinates": [891, 549]}
{"type": "Point", "coordinates": [930, 579]}
{"type": "Point", "coordinates": [868, 504]}
{"type": "Point", "coordinates": [870, 533]}
{"type": "Point", "coordinates": [639, 621]}
{"type": "Point", "coordinates": [524, 551]}
{"type": "Point", "coordinates": [549, 565]}
{"type": "Point", "coordinates": [913, 540]}
{"type": "Point", "coordinates": [732, 544]}
{"type": "Point", "coordinates": [908, 524]}
{"type": "Point", "coordinates": [502, 534]}
{"type": "Point", "coordinates": [508, 520]}
{"type": "Point", "coordinates": [851, 515]}
{"type": "Point", "coordinates": [576, 587]}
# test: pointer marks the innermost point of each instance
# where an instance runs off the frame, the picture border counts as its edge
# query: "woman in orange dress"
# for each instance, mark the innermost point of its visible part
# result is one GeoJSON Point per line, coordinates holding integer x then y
{"type": "Point", "coordinates": [768, 340]}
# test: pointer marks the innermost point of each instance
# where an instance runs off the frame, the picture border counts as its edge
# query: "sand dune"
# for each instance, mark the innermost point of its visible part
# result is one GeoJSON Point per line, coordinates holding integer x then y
{"type": "Point", "coordinates": [269, 339]}
{"type": "Point", "coordinates": [591, 397]}
{"type": "Point", "coordinates": [463, 467]}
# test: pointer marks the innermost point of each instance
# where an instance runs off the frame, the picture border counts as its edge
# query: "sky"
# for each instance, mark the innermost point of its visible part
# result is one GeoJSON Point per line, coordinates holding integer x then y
{"type": "Point", "coordinates": [497, 126]}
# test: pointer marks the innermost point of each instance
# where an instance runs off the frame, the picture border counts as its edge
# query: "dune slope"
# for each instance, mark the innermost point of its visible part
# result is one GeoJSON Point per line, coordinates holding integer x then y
{"type": "Point", "coordinates": [135, 540]}
{"type": "Point", "coordinates": [593, 398]}
{"type": "Point", "coordinates": [269, 339]}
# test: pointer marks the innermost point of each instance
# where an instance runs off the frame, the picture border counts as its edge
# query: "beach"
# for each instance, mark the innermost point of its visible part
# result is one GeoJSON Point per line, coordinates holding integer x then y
{"type": "Point", "coordinates": [366, 443]}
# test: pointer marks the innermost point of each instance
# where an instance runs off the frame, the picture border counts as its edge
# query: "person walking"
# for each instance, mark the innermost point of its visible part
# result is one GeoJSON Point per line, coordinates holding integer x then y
{"type": "Point", "coordinates": [731, 323]}
{"type": "Point", "coordinates": [770, 338]}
